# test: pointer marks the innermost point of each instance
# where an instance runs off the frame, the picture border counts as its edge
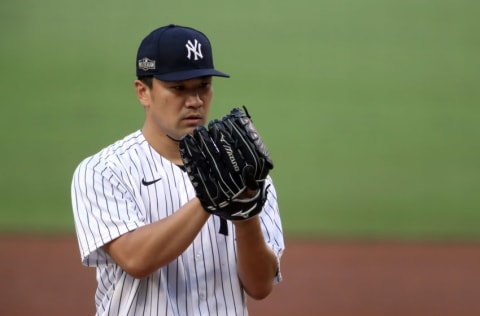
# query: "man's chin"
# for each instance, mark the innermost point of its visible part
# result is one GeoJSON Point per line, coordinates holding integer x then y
{"type": "Point", "coordinates": [190, 129]}
{"type": "Point", "coordinates": [178, 137]}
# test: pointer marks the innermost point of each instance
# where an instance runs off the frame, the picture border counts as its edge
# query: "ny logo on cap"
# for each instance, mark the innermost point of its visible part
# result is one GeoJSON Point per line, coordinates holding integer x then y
{"type": "Point", "coordinates": [196, 49]}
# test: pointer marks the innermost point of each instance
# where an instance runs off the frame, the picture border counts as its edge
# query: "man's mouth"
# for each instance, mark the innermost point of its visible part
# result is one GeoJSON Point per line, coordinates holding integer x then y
{"type": "Point", "coordinates": [193, 119]}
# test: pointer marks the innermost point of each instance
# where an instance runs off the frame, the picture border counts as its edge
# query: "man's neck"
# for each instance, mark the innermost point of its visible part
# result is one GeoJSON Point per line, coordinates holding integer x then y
{"type": "Point", "coordinates": [164, 145]}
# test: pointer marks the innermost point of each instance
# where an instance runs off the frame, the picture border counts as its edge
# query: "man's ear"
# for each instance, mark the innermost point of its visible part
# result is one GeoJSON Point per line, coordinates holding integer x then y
{"type": "Point", "coordinates": [143, 92]}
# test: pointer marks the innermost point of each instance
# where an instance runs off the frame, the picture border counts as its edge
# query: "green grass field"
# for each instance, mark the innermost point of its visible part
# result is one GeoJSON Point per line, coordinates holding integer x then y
{"type": "Point", "coordinates": [370, 109]}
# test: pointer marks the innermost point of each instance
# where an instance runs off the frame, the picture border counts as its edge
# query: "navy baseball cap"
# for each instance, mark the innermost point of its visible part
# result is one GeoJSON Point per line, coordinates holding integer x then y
{"type": "Point", "coordinates": [176, 53]}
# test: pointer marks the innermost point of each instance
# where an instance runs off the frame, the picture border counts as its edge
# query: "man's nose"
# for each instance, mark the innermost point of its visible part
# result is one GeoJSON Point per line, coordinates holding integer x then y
{"type": "Point", "coordinates": [194, 99]}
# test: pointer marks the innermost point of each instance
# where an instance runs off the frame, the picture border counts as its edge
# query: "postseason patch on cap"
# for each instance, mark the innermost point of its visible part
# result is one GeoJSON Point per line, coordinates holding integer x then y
{"type": "Point", "coordinates": [146, 64]}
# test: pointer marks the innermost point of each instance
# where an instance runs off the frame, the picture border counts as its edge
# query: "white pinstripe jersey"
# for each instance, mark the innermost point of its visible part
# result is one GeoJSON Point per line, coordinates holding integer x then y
{"type": "Point", "coordinates": [109, 199]}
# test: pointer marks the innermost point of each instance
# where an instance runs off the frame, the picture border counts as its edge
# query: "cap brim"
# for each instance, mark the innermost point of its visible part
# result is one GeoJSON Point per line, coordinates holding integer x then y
{"type": "Point", "coordinates": [190, 74]}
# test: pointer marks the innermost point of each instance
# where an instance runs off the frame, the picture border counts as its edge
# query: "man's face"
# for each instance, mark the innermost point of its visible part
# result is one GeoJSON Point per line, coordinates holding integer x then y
{"type": "Point", "coordinates": [176, 108]}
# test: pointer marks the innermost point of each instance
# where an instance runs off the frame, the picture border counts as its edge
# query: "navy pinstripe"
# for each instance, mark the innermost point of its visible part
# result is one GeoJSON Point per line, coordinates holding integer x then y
{"type": "Point", "coordinates": [108, 200]}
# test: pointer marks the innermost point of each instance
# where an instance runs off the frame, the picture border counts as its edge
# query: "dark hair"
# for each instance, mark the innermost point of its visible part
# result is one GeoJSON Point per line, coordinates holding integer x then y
{"type": "Point", "coordinates": [147, 80]}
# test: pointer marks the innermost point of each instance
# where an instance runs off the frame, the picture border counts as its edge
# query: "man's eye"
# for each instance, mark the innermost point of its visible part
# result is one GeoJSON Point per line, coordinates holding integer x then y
{"type": "Point", "coordinates": [178, 88]}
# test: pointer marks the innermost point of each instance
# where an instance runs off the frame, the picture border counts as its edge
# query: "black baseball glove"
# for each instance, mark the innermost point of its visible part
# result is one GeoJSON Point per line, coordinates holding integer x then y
{"type": "Point", "coordinates": [227, 165]}
{"type": "Point", "coordinates": [239, 140]}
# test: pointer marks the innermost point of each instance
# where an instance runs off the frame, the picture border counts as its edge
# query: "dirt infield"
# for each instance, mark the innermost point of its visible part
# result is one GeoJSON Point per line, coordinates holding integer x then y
{"type": "Point", "coordinates": [43, 276]}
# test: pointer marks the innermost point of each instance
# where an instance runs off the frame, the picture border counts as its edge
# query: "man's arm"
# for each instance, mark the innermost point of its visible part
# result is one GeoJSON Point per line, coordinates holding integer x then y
{"type": "Point", "coordinates": [257, 263]}
{"type": "Point", "coordinates": [144, 250]}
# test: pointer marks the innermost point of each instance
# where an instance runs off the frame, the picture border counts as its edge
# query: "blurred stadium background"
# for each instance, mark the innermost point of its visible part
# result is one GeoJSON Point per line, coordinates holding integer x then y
{"type": "Point", "coordinates": [370, 108]}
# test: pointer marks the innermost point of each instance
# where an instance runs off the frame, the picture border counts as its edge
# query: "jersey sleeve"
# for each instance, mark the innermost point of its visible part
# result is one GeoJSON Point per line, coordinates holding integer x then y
{"type": "Point", "coordinates": [103, 208]}
{"type": "Point", "coordinates": [272, 225]}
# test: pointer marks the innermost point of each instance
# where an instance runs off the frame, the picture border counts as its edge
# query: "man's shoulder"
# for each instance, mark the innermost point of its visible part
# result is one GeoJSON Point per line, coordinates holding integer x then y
{"type": "Point", "coordinates": [124, 146]}
{"type": "Point", "coordinates": [116, 151]}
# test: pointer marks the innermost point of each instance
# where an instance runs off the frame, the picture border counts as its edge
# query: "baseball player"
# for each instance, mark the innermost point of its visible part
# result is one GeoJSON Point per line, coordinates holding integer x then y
{"type": "Point", "coordinates": [179, 218]}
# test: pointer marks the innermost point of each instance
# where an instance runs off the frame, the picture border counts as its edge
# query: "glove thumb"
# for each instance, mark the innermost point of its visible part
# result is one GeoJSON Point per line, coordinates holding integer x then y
{"type": "Point", "coordinates": [248, 174]}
